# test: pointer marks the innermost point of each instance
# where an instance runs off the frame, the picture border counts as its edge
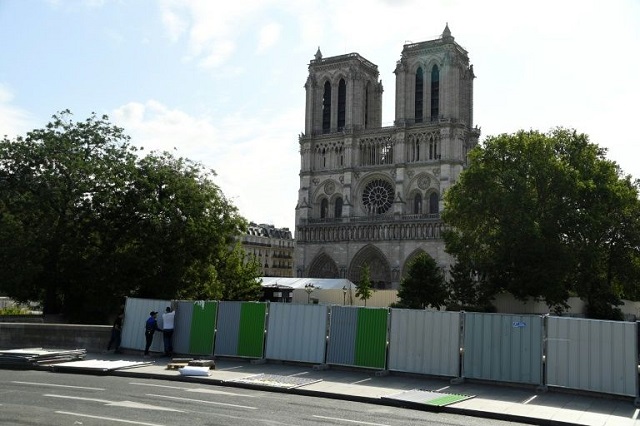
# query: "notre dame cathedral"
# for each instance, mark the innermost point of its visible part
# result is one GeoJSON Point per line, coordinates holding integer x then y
{"type": "Point", "coordinates": [371, 194]}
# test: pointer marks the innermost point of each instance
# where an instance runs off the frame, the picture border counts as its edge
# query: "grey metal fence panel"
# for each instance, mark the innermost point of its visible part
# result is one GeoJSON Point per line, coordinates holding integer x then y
{"type": "Point", "coordinates": [425, 342]}
{"type": "Point", "coordinates": [505, 348]}
{"type": "Point", "coordinates": [182, 327]}
{"type": "Point", "coordinates": [297, 332]}
{"type": "Point", "coordinates": [343, 321]}
{"type": "Point", "coordinates": [592, 355]}
{"type": "Point", "coordinates": [228, 328]}
{"type": "Point", "coordinates": [136, 312]}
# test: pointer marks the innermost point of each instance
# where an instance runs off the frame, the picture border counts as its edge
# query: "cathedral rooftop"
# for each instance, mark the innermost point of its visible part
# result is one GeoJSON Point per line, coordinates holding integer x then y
{"type": "Point", "coordinates": [349, 57]}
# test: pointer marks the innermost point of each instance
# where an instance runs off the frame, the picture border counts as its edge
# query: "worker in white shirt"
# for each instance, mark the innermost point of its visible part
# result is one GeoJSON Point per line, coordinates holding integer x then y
{"type": "Point", "coordinates": [167, 330]}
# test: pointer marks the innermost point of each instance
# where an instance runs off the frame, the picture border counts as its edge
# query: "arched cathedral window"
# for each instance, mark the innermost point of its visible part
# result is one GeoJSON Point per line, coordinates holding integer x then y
{"type": "Point", "coordinates": [338, 208]}
{"type": "Point", "coordinates": [326, 108]}
{"type": "Point", "coordinates": [433, 148]}
{"type": "Point", "coordinates": [324, 208]}
{"type": "Point", "coordinates": [366, 105]}
{"type": "Point", "coordinates": [435, 93]}
{"type": "Point", "coordinates": [342, 103]}
{"type": "Point", "coordinates": [433, 203]}
{"type": "Point", "coordinates": [417, 204]}
{"type": "Point", "coordinates": [414, 147]}
{"type": "Point", "coordinates": [418, 95]}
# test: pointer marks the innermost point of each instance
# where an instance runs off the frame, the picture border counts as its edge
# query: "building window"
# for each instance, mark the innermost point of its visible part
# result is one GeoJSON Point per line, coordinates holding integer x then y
{"type": "Point", "coordinates": [366, 105]}
{"type": "Point", "coordinates": [433, 148]}
{"type": "Point", "coordinates": [326, 108]}
{"type": "Point", "coordinates": [377, 196]}
{"type": "Point", "coordinates": [342, 103]}
{"type": "Point", "coordinates": [418, 94]}
{"type": "Point", "coordinates": [338, 208]}
{"type": "Point", "coordinates": [324, 208]}
{"type": "Point", "coordinates": [433, 203]}
{"type": "Point", "coordinates": [414, 148]}
{"type": "Point", "coordinates": [417, 204]}
{"type": "Point", "coordinates": [377, 151]}
{"type": "Point", "coordinates": [435, 93]}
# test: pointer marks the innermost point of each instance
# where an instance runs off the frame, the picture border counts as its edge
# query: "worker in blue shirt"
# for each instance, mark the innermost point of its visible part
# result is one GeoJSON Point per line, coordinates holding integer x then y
{"type": "Point", "coordinates": [150, 327]}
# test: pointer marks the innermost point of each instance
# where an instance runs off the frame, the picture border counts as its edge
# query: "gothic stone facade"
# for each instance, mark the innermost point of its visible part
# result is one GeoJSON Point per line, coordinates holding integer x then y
{"type": "Point", "coordinates": [371, 194]}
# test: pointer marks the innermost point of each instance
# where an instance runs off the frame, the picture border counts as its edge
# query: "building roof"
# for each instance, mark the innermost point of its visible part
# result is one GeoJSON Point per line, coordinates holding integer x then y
{"type": "Point", "coordinates": [299, 283]}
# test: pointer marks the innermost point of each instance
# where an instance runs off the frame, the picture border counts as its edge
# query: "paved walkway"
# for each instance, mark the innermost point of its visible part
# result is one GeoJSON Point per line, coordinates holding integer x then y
{"type": "Point", "coordinates": [511, 403]}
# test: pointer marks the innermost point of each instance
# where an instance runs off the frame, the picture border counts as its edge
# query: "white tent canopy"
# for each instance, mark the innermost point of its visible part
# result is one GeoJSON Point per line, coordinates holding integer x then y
{"type": "Point", "coordinates": [300, 283]}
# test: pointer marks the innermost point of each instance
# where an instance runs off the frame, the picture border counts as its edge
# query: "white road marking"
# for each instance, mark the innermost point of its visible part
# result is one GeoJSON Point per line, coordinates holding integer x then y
{"type": "Point", "coordinates": [128, 404]}
{"type": "Point", "coordinates": [441, 389]}
{"type": "Point", "coordinates": [200, 400]}
{"type": "Point", "coordinates": [361, 381]}
{"type": "Point", "coordinates": [635, 414]}
{"type": "Point", "coordinates": [198, 390]}
{"type": "Point", "coordinates": [299, 374]}
{"type": "Point", "coordinates": [57, 386]}
{"type": "Point", "coordinates": [80, 398]}
{"type": "Point", "coordinates": [108, 418]}
{"type": "Point", "coordinates": [349, 421]}
{"type": "Point", "coordinates": [530, 399]}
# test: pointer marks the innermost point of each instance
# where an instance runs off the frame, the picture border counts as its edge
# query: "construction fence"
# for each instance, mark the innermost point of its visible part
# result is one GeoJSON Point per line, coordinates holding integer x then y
{"type": "Point", "coordinates": [573, 353]}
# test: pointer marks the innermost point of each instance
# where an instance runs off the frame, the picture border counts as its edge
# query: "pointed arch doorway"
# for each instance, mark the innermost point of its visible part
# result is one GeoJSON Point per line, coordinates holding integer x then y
{"type": "Point", "coordinates": [380, 272]}
{"type": "Point", "coordinates": [323, 266]}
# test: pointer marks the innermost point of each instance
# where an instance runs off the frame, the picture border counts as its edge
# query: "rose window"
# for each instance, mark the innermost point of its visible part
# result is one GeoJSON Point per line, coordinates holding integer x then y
{"type": "Point", "coordinates": [377, 196]}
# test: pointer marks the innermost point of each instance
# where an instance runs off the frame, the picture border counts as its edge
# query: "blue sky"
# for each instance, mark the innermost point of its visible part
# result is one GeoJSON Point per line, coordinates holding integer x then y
{"type": "Point", "coordinates": [221, 82]}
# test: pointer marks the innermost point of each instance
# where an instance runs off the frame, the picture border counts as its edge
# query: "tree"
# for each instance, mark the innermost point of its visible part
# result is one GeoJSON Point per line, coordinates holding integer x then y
{"type": "Point", "coordinates": [423, 285]}
{"type": "Point", "coordinates": [468, 290]}
{"type": "Point", "coordinates": [239, 271]}
{"type": "Point", "coordinates": [85, 221]}
{"type": "Point", "coordinates": [544, 216]}
{"type": "Point", "coordinates": [363, 288]}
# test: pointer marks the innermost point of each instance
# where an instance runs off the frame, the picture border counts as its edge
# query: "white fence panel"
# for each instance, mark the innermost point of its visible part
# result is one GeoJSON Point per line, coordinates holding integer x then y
{"type": "Point", "coordinates": [297, 332]}
{"type": "Point", "coordinates": [505, 348]}
{"type": "Point", "coordinates": [425, 342]}
{"type": "Point", "coordinates": [592, 355]}
{"type": "Point", "coordinates": [136, 312]}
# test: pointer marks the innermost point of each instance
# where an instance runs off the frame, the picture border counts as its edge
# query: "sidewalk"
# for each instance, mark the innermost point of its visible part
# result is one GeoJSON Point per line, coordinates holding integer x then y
{"type": "Point", "coordinates": [510, 403]}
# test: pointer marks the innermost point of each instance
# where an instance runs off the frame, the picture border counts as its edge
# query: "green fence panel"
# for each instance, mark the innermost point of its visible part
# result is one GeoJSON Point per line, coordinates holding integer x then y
{"type": "Point", "coordinates": [203, 326]}
{"type": "Point", "coordinates": [251, 337]}
{"type": "Point", "coordinates": [371, 338]}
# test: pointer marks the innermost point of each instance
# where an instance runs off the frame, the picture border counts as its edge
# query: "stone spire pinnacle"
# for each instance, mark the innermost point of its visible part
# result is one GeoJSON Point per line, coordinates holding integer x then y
{"type": "Point", "coordinates": [446, 34]}
{"type": "Point", "coordinates": [318, 54]}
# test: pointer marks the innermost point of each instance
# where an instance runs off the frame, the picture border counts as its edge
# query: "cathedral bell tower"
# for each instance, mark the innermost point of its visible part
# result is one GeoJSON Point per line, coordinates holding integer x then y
{"type": "Point", "coordinates": [343, 93]}
{"type": "Point", "coordinates": [434, 81]}
{"type": "Point", "coordinates": [371, 196]}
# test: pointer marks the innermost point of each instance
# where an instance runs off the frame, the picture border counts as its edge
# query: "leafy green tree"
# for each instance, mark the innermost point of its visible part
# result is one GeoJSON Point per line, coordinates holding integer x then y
{"type": "Point", "coordinates": [363, 288]}
{"type": "Point", "coordinates": [544, 216]}
{"type": "Point", "coordinates": [239, 271]}
{"type": "Point", "coordinates": [85, 221]}
{"type": "Point", "coordinates": [423, 285]}
{"type": "Point", "coordinates": [468, 290]}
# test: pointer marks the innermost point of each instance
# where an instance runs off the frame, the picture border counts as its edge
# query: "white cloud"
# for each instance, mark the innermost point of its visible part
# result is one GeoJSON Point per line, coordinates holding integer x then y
{"type": "Point", "coordinates": [256, 166]}
{"type": "Point", "coordinates": [175, 23]}
{"type": "Point", "coordinates": [14, 120]}
{"type": "Point", "coordinates": [154, 126]}
{"type": "Point", "coordinates": [212, 27]}
{"type": "Point", "coordinates": [269, 36]}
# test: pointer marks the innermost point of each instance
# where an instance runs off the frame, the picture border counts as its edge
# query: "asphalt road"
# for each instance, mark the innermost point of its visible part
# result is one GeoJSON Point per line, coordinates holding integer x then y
{"type": "Point", "coordinates": [42, 398]}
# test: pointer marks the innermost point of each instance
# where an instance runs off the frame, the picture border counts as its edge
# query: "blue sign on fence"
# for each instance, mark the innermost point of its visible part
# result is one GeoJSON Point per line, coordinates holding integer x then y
{"type": "Point", "coordinates": [519, 324]}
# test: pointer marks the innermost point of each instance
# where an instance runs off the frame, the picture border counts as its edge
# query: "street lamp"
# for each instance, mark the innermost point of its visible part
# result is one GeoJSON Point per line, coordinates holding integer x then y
{"type": "Point", "coordinates": [309, 287]}
{"type": "Point", "coordinates": [344, 295]}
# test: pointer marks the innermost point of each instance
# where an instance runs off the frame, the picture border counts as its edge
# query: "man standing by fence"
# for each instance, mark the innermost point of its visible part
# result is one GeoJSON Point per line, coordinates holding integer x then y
{"type": "Point", "coordinates": [167, 330]}
{"type": "Point", "coordinates": [150, 327]}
